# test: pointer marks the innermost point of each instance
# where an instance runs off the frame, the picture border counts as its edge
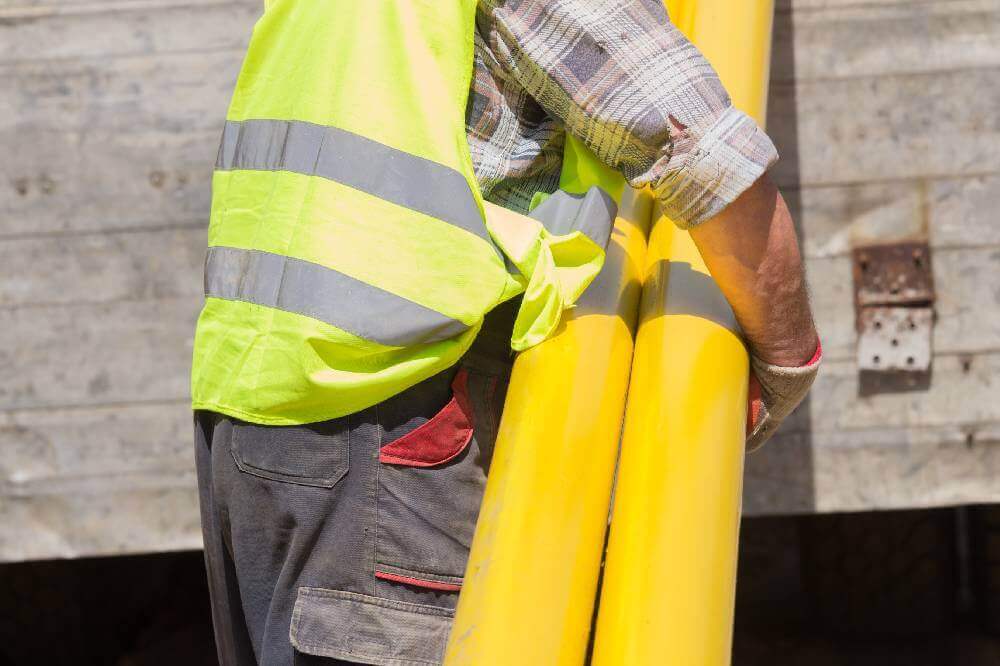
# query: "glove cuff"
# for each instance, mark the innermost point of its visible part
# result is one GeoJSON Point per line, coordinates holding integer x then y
{"type": "Point", "coordinates": [782, 389]}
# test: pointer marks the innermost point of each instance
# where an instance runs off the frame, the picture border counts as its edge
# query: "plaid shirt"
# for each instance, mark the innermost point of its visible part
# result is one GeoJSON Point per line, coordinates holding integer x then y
{"type": "Point", "coordinates": [620, 77]}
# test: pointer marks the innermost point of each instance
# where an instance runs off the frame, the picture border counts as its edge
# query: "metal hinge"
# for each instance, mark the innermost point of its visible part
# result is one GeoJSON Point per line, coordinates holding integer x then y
{"type": "Point", "coordinates": [894, 309]}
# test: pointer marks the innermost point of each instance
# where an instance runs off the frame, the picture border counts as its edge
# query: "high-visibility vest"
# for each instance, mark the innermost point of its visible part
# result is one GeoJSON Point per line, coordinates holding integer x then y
{"type": "Point", "coordinates": [349, 254]}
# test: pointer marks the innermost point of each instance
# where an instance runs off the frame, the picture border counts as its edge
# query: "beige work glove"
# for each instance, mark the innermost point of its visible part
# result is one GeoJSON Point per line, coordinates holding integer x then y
{"type": "Point", "coordinates": [775, 391]}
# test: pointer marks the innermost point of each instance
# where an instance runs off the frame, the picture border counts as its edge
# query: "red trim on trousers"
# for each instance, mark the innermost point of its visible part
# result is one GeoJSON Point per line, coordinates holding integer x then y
{"type": "Point", "coordinates": [419, 582]}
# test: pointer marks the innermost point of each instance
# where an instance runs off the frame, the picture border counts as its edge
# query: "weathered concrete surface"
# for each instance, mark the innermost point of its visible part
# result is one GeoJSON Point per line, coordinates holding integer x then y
{"type": "Point", "coordinates": [886, 115]}
{"type": "Point", "coordinates": [886, 112]}
{"type": "Point", "coordinates": [110, 113]}
{"type": "Point", "coordinates": [97, 481]}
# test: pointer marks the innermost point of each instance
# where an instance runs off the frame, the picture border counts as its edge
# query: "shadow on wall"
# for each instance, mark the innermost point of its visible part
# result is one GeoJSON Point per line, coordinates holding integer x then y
{"type": "Point", "coordinates": [782, 473]}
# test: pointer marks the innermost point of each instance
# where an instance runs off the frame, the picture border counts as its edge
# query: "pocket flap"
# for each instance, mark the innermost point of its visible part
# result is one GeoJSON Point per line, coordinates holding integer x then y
{"type": "Point", "coordinates": [316, 454]}
{"type": "Point", "coordinates": [441, 438]}
{"type": "Point", "coordinates": [369, 630]}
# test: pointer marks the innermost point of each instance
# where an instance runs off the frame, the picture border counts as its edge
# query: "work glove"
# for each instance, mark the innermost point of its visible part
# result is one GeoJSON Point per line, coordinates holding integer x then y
{"type": "Point", "coordinates": [775, 391]}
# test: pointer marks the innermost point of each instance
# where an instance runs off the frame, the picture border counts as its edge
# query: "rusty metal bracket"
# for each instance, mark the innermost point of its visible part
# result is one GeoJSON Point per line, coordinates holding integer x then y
{"type": "Point", "coordinates": [893, 300]}
{"type": "Point", "coordinates": [896, 274]}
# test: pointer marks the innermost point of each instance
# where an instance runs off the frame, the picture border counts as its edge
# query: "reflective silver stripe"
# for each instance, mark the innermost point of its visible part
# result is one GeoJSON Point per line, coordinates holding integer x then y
{"type": "Point", "coordinates": [305, 288]}
{"type": "Point", "coordinates": [592, 213]}
{"type": "Point", "coordinates": [353, 160]}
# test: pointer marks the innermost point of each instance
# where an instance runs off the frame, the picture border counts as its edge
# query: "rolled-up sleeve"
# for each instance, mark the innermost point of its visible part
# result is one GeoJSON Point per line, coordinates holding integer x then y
{"type": "Point", "coordinates": [629, 85]}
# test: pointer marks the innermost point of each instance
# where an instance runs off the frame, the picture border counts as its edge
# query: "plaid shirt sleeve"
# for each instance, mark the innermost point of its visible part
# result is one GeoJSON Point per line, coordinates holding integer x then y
{"type": "Point", "coordinates": [627, 83]}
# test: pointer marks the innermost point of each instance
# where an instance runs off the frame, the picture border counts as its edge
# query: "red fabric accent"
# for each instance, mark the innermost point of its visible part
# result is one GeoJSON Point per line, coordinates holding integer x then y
{"type": "Point", "coordinates": [441, 438]}
{"type": "Point", "coordinates": [753, 403]}
{"type": "Point", "coordinates": [418, 582]}
{"type": "Point", "coordinates": [817, 356]}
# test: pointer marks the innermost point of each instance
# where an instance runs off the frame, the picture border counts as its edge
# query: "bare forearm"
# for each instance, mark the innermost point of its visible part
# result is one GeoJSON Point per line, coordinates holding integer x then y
{"type": "Point", "coordinates": [752, 250]}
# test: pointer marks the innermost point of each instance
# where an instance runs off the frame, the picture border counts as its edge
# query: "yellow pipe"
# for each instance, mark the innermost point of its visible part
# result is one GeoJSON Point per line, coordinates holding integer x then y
{"type": "Point", "coordinates": [670, 577]}
{"type": "Point", "coordinates": [531, 581]}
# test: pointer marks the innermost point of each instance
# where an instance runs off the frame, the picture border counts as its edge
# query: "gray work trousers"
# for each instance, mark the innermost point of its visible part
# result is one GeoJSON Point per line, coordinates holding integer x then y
{"type": "Point", "coordinates": [346, 541]}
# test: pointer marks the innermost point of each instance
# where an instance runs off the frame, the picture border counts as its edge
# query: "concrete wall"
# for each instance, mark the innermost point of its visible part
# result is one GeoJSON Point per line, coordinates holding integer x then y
{"type": "Point", "coordinates": [887, 114]}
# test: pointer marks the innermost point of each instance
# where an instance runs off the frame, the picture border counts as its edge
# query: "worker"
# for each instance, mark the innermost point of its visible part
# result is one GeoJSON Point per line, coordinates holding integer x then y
{"type": "Point", "coordinates": [352, 355]}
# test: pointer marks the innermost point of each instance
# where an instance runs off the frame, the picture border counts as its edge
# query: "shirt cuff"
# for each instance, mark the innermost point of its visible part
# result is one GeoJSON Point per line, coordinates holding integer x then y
{"type": "Point", "coordinates": [726, 160]}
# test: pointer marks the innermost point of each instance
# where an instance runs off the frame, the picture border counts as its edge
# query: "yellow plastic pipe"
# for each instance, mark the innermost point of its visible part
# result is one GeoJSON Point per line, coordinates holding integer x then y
{"type": "Point", "coordinates": [670, 576]}
{"type": "Point", "coordinates": [531, 581]}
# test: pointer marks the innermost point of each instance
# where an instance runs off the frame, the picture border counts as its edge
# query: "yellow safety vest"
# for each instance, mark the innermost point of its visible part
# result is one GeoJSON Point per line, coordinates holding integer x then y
{"type": "Point", "coordinates": [349, 254]}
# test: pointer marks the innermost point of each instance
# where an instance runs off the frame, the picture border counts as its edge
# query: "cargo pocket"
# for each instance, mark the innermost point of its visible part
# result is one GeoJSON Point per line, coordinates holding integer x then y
{"type": "Point", "coordinates": [317, 454]}
{"type": "Point", "coordinates": [431, 482]}
{"type": "Point", "coordinates": [370, 630]}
